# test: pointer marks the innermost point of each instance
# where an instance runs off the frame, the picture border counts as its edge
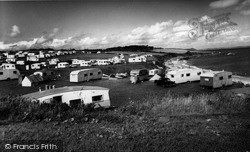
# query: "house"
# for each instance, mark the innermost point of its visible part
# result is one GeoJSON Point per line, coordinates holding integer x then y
{"type": "Point", "coordinates": [8, 66]}
{"type": "Point", "coordinates": [137, 59]}
{"type": "Point", "coordinates": [73, 96]}
{"type": "Point", "coordinates": [35, 66]}
{"type": "Point", "coordinates": [155, 71]}
{"type": "Point", "coordinates": [85, 63]}
{"type": "Point", "coordinates": [9, 74]}
{"type": "Point", "coordinates": [184, 75]}
{"type": "Point", "coordinates": [85, 75]}
{"type": "Point", "coordinates": [63, 65]}
{"type": "Point", "coordinates": [138, 75]}
{"type": "Point", "coordinates": [103, 62]}
{"type": "Point", "coordinates": [32, 80]}
{"type": "Point", "coordinates": [216, 79]}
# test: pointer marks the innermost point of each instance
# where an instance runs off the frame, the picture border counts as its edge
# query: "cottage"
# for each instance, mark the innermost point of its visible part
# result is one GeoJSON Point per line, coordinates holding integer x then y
{"type": "Point", "coordinates": [138, 75]}
{"type": "Point", "coordinates": [9, 74]}
{"type": "Point", "coordinates": [32, 80]}
{"type": "Point", "coordinates": [63, 65]}
{"type": "Point", "coordinates": [73, 96]}
{"type": "Point", "coordinates": [184, 75]}
{"type": "Point", "coordinates": [85, 75]}
{"type": "Point", "coordinates": [216, 79]}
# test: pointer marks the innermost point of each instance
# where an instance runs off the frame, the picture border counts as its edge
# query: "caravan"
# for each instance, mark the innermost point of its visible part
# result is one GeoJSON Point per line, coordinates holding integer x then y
{"type": "Point", "coordinates": [138, 75]}
{"type": "Point", "coordinates": [216, 79]}
{"type": "Point", "coordinates": [85, 75]}
{"type": "Point", "coordinates": [8, 74]}
{"type": "Point", "coordinates": [184, 75]}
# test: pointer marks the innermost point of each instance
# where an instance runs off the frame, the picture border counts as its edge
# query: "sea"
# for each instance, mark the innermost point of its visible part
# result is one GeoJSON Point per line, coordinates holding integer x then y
{"type": "Point", "coordinates": [234, 60]}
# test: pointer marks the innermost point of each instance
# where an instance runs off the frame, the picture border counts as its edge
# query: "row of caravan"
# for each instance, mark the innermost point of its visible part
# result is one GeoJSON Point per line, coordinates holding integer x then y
{"type": "Point", "coordinates": [207, 78]}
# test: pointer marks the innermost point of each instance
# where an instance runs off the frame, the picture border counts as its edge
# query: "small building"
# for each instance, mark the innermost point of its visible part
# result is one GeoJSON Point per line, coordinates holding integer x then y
{"type": "Point", "coordinates": [73, 96]}
{"type": "Point", "coordinates": [216, 79]}
{"type": "Point", "coordinates": [184, 75]}
{"type": "Point", "coordinates": [32, 80]}
{"type": "Point", "coordinates": [9, 74]}
{"type": "Point", "coordinates": [85, 75]}
{"type": "Point", "coordinates": [63, 65]}
{"type": "Point", "coordinates": [137, 59]}
{"type": "Point", "coordinates": [8, 66]}
{"type": "Point", "coordinates": [138, 75]}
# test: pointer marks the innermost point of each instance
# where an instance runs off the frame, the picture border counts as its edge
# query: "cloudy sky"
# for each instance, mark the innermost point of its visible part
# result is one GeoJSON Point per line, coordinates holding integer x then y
{"type": "Point", "coordinates": [108, 23]}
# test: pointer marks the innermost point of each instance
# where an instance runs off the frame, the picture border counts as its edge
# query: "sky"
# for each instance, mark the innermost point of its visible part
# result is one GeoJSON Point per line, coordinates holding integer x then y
{"type": "Point", "coordinates": [96, 24]}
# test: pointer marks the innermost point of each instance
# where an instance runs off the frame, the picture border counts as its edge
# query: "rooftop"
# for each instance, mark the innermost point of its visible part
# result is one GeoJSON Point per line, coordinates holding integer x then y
{"type": "Point", "coordinates": [77, 71]}
{"type": "Point", "coordinates": [45, 93]}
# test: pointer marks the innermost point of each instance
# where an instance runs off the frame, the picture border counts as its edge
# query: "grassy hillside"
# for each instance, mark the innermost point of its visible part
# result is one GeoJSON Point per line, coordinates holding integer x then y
{"type": "Point", "coordinates": [171, 123]}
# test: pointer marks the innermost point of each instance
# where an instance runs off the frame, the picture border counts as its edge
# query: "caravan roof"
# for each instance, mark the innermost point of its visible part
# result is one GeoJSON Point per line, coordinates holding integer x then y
{"type": "Point", "coordinates": [182, 70]}
{"type": "Point", "coordinates": [211, 73]}
{"type": "Point", "coordinates": [45, 93]}
{"type": "Point", "coordinates": [78, 71]}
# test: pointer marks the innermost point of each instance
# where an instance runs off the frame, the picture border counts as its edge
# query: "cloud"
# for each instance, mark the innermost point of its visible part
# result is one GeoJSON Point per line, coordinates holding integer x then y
{"type": "Point", "coordinates": [243, 4]}
{"type": "Point", "coordinates": [223, 3]}
{"type": "Point", "coordinates": [15, 31]}
{"type": "Point", "coordinates": [45, 39]}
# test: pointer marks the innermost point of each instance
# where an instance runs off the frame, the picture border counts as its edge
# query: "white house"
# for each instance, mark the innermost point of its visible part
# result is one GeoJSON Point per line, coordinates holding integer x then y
{"type": "Point", "coordinates": [73, 96]}
{"type": "Point", "coordinates": [137, 59]}
{"type": "Point", "coordinates": [85, 75]}
{"type": "Point", "coordinates": [31, 80]}
{"type": "Point", "coordinates": [8, 66]}
{"type": "Point", "coordinates": [36, 66]}
{"type": "Point", "coordinates": [63, 65]}
{"type": "Point", "coordinates": [184, 75]}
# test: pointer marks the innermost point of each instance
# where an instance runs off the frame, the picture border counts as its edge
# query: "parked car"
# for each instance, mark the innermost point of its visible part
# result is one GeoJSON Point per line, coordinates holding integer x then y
{"type": "Point", "coordinates": [165, 82]}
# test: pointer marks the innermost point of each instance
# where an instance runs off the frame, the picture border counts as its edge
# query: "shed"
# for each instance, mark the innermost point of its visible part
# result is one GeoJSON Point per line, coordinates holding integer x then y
{"type": "Point", "coordinates": [31, 80]}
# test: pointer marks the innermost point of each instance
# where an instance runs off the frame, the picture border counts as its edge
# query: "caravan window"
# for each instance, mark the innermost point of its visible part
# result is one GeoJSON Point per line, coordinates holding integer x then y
{"type": "Point", "coordinates": [221, 78]}
{"type": "Point", "coordinates": [1, 73]}
{"type": "Point", "coordinates": [91, 74]}
{"type": "Point", "coordinates": [182, 75]}
{"type": "Point", "coordinates": [188, 74]}
{"type": "Point", "coordinates": [97, 99]}
{"type": "Point", "coordinates": [199, 73]}
{"type": "Point", "coordinates": [85, 75]}
{"type": "Point", "coordinates": [230, 76]}
{"type": "Point", "coordinates": [99, 73]}
{"type": "Point", "coordinates": [15, 72]}
{"type": "Point", "coordinates": [172, 75]}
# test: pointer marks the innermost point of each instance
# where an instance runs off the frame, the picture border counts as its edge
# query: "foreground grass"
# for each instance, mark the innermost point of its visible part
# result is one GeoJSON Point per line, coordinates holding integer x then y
{"type": "Point", "coordinates": [170, 123]}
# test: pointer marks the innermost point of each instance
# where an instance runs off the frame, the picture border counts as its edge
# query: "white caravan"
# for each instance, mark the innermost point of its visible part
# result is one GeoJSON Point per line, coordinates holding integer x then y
{"type": "Point", "coordinates": [184, 75]}
{"type": "Point", "coordinates": [85, 75]}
